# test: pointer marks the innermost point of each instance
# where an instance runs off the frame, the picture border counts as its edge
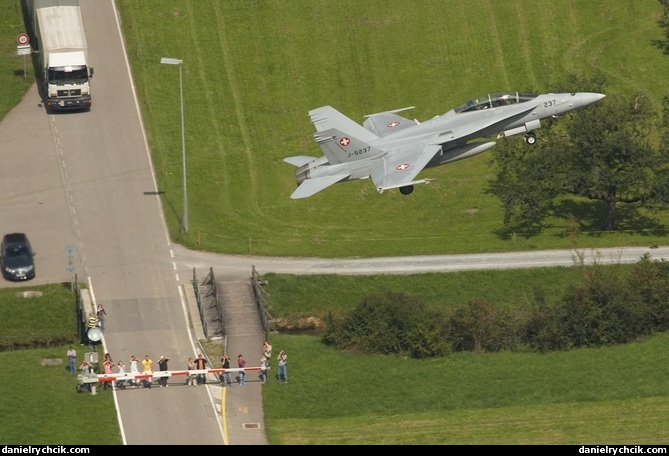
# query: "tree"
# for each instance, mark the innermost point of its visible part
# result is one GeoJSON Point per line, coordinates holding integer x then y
{"type": "Point", "coordinates": [611, 158]}
{"type": "Point", "coordinates": [527, 180]}
{"type": "Point", "coordinates": [664, 24]}
{"type": "Point", "coordinates": [602, 153]}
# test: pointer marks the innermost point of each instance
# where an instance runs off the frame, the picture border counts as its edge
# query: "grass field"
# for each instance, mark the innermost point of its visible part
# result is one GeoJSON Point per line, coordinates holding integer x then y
{"type": "Point", "coordinates": [591, 396]}
{"type": "Point", "coordinates": [252, 70]}
{"type": "Point", "coordinates": [13, 81]}
{"type": "Point", "coordinates": [39, 401]}
{"type": "Point", "coordinates": [256, 68]}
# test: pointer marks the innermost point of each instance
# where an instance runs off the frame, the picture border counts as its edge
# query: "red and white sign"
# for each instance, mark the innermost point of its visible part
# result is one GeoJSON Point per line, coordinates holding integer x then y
{"type": "Point", "coordinates": [402, 167]}
{"type": "Point", "coordinates": [344, 141]}
{"type": "Point", "coordinates": [23, 39]}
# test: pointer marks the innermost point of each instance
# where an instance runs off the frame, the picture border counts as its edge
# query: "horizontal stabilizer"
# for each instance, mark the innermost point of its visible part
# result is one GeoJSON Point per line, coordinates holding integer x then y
{"type": "Point", "coordinates": [299, 160]}
{"type": "Point", "coordinates": [312, 186]}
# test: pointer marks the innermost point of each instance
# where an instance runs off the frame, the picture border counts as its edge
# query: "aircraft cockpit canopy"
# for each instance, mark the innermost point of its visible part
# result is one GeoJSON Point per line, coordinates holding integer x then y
{"type": "Point", "coordinates": [494, 100]}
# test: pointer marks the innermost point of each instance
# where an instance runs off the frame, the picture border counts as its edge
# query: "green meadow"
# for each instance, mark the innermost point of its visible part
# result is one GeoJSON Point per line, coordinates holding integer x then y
{"type": "Point", "coordinates": [252, 71]}
{"type": "Point", "coordinates": [615, 395]}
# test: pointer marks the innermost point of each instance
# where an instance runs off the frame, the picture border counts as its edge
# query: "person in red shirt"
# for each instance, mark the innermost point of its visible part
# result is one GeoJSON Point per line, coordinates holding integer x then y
{"type": "Point", "coordinates": [241, 363]}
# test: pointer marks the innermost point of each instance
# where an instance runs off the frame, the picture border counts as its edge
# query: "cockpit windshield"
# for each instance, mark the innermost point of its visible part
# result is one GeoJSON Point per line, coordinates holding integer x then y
{"type": "Point", "coordinates": [494, 100]}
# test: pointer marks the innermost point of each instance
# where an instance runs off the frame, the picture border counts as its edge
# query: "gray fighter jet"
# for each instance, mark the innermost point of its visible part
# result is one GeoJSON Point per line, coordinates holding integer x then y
{"type": "Point", "coordinates": [392, 150]}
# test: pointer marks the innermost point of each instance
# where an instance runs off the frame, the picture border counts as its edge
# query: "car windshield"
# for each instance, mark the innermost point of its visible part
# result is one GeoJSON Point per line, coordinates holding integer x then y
{"type": "Point", "coordinates": [18, 252]}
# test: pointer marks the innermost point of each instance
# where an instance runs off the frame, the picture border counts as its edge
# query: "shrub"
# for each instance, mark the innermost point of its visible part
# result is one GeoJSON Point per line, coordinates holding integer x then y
{"type": "Point", "coordinates": [481, 326]}
{"type": "Point", "coordinates": [392, 323]}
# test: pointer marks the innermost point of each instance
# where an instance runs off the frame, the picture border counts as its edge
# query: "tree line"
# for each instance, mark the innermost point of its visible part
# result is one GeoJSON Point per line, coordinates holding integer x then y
{"type": "Point", "coordinates": [610, 306]}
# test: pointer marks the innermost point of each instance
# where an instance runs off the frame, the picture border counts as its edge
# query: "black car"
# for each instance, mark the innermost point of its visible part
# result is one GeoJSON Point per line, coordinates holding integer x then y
{"type": "Point", "coordinates": [17, 257]}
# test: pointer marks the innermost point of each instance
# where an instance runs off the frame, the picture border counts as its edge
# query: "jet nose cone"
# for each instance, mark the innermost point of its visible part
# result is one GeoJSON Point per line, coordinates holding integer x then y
{"type": "Point", "coordinates": [589, 98]}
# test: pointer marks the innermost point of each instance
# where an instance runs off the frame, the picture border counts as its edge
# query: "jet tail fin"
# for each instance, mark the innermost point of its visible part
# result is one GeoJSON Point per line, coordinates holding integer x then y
{"type": "Point", "coordinates": [340, 147]}
{"type": "Point", "coordinates": [327, 117]}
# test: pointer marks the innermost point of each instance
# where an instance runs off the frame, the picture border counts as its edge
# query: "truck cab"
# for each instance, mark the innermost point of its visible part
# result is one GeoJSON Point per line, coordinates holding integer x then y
{"type": "Point", "coordinates": [67, 82]}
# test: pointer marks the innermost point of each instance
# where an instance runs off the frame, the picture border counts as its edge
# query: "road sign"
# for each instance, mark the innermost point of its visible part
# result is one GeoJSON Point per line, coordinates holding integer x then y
{"type": "Point", "coordinates": [23, 49]}
{"type": "Point", "coordinates": [23, 39]}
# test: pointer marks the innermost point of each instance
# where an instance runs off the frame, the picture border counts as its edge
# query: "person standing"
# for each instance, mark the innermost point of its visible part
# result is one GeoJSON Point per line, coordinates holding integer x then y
{"type": "Point", "coordinates": [107, 367]}
{"type": "Point", "coordinates": [201, 363]}
{"type": "Point", "coordinates": [101, 314]}
{"type": "Point", "coordinates": [134, 369]}
{"type": "Point", "coordinates": [86, 370]}
{"type": "Point", "coordinates": [241, 363]}
{"type": "Point", "coordinates": [120, 384]}
{"type": "Point", "coordinates": [190, 365]}
{"type": "Point", "coordinates": [147, 368]}
{"type": "Point", "coordinates": [92, 322]}
{"type": "Point", "coordinates": [72, 360]}
{"type": "Point", "coordinates": [225, 364]}
{"type": "Point", "coordinates": [147, 364]}
{"type": "Point", "coordinates": [282, 372]}
{"type": "Point", "coordinates": [267, 350]}
{"type": "Point", "coordinates": [264, 365]}
{"type": "Point", "coordinates": [162, 365]}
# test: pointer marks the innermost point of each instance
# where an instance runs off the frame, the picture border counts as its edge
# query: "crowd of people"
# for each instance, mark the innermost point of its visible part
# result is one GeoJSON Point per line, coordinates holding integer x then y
{"type": "Point", "coordinates": [198, 363]}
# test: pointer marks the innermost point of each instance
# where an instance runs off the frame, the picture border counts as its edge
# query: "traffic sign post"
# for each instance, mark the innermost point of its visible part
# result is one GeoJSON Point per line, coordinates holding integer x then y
{"type": "Point", "coordinates": [23, 49]}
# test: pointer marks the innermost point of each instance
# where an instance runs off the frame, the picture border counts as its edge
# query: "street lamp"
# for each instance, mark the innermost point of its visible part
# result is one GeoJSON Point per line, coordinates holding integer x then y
{"type": "Point", "coordinates": [170, 61]}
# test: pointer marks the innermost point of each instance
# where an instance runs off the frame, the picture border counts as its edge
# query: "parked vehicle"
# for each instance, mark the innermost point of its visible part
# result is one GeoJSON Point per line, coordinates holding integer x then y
{"type": "Point", "coordinates": [17, 257]}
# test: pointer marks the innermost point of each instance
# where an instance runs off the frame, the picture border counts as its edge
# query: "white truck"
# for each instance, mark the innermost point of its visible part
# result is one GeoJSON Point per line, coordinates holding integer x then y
{"type": "Point", "coordinates": [62, 53]}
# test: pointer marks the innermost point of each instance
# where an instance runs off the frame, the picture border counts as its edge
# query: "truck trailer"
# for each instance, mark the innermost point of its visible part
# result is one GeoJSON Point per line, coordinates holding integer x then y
{"type": "Point", "coordinates": [61, 50]}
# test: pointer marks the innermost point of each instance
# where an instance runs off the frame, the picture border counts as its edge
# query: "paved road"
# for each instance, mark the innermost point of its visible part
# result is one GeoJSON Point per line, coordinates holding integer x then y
{"type": "Point", "coordinates": [81, 185]}
{"type": "Point", "coordinates": [237, 267]}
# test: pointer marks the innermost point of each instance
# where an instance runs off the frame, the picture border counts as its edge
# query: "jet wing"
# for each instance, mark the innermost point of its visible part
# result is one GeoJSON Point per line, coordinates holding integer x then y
{"type": "Point", "coordinates": [401, 165]}
{"type": "Point", "coordinates": [385, 123]}
{"type": "Point", "coordinates": [314, 185]}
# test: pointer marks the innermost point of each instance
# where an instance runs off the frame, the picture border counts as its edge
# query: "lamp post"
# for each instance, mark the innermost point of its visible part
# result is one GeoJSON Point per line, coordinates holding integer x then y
{"type": "Point", "coordinates": [170, 61]}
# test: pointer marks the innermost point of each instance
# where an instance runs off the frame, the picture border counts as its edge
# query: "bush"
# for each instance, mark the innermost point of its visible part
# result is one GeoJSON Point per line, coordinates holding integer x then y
{"type": "Point", "coordinates": [393, 323]}
{"type": "Point", "coordinates": [607, 308]}
{"type": "Point", "coordinates": [481, 326]}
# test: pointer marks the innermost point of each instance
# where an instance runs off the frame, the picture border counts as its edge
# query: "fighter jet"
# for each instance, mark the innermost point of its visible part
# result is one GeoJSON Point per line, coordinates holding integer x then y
{"type": "Point", "coordinates": [393, 150]}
